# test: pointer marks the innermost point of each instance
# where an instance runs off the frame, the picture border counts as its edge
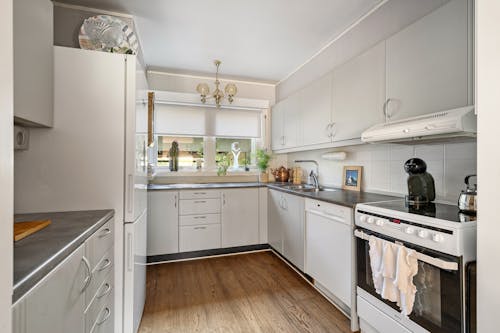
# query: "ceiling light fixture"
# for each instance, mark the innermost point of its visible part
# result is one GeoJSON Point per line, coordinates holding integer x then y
{"type": "Point", "coordinates": [218, 95]}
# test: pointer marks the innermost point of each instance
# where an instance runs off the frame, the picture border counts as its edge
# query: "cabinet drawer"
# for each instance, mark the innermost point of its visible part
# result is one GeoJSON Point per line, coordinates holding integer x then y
{"type": "Point", "coordinates": [199, 206]}
{"type": "Point", "coordinates": [101, 271]}
{"type": "Point", "coordinates": [200, 194]}
{"type": "Point", "coordinates": [199, 219]}
{"type": "Point", "coordinates": [101, 241]}
{"type": "Point", "coordinates": [338, 213]}
{"type": "Point", "coordinates": [201, 237]}
{"type": "Point", "coordinates": [99, 316]}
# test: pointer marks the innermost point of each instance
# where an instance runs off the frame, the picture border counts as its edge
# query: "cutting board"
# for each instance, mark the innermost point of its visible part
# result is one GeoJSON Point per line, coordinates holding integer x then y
{"type": "Point", "coordinates": [24, 229]}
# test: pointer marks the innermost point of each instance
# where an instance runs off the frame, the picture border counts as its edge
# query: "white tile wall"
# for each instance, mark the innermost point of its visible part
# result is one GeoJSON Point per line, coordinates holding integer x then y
{"type": "Point", "coordinates": [383, 166]}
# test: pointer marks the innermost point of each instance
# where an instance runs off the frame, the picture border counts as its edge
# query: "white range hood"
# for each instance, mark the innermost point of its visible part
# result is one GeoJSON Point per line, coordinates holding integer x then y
{"type": "Point", "coordinates": [443, 125]}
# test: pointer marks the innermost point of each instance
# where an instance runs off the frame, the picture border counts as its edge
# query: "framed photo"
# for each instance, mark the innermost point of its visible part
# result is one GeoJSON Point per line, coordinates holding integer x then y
{"type": "Point", "coordinates": [351, 179]}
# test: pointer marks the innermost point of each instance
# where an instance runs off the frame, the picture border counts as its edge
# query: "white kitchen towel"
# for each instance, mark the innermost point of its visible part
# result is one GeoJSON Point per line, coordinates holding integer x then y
{"type": "Point", "coordinates": [375, 253]}
{"type": "Point", "coordinates": [407, 268]}
{"type": "Point", "coordinates": [389, 269]}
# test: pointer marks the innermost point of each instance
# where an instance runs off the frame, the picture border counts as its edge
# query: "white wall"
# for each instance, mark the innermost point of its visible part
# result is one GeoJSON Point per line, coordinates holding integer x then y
{"type": "Point", "coordinates": [383, 166]}
{"type": "Point", "coordinates": [488, 106]}
{"type": "Point", "coordinates": [186, 83]}
{"type": "Point", "coordinates": [6, 164]}
{"type": "Point", "coordinates": [390, 18]}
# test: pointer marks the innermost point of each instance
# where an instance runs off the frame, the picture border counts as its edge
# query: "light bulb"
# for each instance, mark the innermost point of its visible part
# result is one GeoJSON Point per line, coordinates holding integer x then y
{"type": "Point", "coordinates": [231, 89]}
{"type": "Point", "coordinates": [203, 89]}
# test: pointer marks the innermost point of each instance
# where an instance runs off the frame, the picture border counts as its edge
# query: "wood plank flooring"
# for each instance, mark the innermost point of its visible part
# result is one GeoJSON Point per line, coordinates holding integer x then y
{"type": "Point", "coordinates": [254, 292]}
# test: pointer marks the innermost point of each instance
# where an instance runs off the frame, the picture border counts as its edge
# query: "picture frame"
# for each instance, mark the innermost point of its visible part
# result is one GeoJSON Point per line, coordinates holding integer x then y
{"type": "Point", "coordinates": [351, 179]}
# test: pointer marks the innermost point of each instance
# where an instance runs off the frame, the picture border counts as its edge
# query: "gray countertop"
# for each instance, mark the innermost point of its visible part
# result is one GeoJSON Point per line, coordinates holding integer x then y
{"type": "Point", "coordinates": [36, 255]}
{"type": "Point", "coordinates": [339, 196]}
{"type": "Point", "coordinates": [203, 186]}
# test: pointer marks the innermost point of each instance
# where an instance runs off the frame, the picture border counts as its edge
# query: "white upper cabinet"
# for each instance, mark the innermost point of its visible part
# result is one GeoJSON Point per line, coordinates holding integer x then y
{"type": "Point", "coordinates": [285, 123]}
{"type": "Point", "coordinates": [429, 63]}
{"type": "Point", "coordinates": [277, 140]}
{"type": "Point", "coordinates": [33, 62]}
{"type": "Point", "coordinates": [316, 106]}
{"type": "Point", "coordinates": [358, 92]}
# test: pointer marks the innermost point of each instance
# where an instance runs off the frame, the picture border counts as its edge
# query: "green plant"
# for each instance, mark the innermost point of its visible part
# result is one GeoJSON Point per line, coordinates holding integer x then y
{"type": "Point", "coordinates": [222, 166]}
{"type": "Point", "coordinates": [263, 159]}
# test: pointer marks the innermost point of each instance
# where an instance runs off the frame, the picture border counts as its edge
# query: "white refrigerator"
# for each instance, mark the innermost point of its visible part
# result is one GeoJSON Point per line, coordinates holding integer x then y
{"type": "Point", "coordinates": [95, 157]}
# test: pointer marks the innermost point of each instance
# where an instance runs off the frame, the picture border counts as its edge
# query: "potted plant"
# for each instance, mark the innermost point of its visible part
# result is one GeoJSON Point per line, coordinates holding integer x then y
{"type": "Point", "coordinates": [263, 159]}
{"type": "Point", "coordinates": [222, 166]}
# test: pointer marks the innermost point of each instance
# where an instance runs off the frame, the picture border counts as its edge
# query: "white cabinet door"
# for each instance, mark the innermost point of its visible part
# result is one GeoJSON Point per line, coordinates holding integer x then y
{"type": "Point", "coordinates": [275, 228]}
{"type": "Point", "coordinates": [163, 222]}
{"type": "Point", "coordinates": [58, 303]}
{"type": "Point", "coordinates": [277, 139]}
{"type": "Point", "coordinates": [328, 254]}
{"type": "Point", "coordinates": [428, 63]}
{"type": "Point", "coordinates": [292, 116]}
{"type": "Point", "coordinates": [34, 62]}
{"type": "Point", "coordinates": [292, 220]}
{"type": "Point", "coordinates": [316, 108]}
{"type": "Point", "coordinates": [358, 94]}
{"type": "Point", "coordinates": [199, 237]}
{"type": "Point", "coordinates": [240, 217]}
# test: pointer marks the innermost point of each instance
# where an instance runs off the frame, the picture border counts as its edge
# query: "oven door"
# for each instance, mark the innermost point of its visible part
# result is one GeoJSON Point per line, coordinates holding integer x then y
{"type": "Point", "coordinates": [438, 301]}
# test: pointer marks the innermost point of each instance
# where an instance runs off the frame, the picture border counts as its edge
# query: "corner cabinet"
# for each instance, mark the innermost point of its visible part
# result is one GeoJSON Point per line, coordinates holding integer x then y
{"type": "Point", "coordinates": [286, 226]}
{"type": "Point", "coordinates": [429, 64]}
{"type": "Point", "coordinates": [240, 217]}
{"type": "Point", "coordinates": [163, 222]}
{"type": "Point", "coordinates": [33, 62]}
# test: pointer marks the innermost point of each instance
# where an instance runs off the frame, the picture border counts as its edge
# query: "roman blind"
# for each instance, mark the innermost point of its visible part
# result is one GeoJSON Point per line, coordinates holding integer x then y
{"type": "Point", "coordinates": [187, 120]}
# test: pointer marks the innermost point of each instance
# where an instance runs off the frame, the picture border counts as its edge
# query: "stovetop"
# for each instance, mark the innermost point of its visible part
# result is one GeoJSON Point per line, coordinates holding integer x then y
{"type": "Point", "coordinates": [440, 211]}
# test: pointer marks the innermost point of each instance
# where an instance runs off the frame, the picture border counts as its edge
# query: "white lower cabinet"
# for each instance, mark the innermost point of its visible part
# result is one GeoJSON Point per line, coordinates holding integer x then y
{"type": "Point", "coordinates": [329, 247]}
{"type": "Point", "coordinates": [286, 226]}
{"type": "Point", "coordinates": [199, 237]}
{"type": "Point", "coordinates": [76, 296]}
{"type": "Point", "coordinates": [163, 222]}
{"type": "Point", "coordinates": [240, 217]}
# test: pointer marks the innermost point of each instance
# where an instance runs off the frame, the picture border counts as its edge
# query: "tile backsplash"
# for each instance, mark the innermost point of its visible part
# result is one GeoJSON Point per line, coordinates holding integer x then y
{"type": "Point", "coordinates": [383, 166]}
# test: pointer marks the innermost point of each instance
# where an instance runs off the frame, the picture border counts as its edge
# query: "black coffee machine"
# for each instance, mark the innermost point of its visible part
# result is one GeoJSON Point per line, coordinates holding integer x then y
{"type": "Point", "coordinates": [421, 189]}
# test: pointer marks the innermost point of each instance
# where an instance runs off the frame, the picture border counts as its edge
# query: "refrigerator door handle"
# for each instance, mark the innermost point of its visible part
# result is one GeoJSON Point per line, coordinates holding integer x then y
{"type": "Point", "coordinates": [130, 253]}
{"type": "Point", "coordinates": [130, 193]}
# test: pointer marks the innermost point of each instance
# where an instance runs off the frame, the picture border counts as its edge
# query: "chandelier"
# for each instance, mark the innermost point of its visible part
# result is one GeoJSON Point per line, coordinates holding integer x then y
{"type": "Point", "coordinates": [218, 94]}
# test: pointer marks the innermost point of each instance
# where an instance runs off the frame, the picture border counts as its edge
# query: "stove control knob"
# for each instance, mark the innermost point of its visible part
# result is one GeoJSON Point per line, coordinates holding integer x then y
{"type": "Point", "coordinates": [438, 238]}
{"type": "Point", "coordinates": [380, 222]}
{"type": "Point", "coordinates": [363, 218]}
{"type": "Point", "coordinates": [422, 234]}
{"type": "Point", "coordinates": [409, 230]}
{"type": "Point", "coordinates": [370, 220]}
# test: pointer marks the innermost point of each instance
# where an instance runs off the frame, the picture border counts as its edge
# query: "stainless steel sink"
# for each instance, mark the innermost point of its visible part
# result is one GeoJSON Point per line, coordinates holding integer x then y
{"type": "Point", "coordinates": [307, 188]}
{"type": "Point", "coordinates": [321, 189]}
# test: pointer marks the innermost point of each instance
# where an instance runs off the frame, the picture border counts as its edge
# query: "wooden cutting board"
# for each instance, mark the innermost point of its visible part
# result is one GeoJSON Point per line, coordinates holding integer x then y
{"type": "Point", "coordinates": [24, 229]}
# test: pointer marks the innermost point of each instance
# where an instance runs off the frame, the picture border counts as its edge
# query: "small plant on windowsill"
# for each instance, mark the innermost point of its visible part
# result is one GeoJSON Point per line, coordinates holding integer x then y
{"type": "Point", "coordinates": [263, 159]}
{"type": "Point", "coordinates": [222, 166]}
{"type": "Point", "coordinates": [246, 162]}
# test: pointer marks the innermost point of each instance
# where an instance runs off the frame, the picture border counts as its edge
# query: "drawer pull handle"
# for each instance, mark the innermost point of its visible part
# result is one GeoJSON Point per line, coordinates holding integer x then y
{"type": "Point", "coordinates": [200, 201]}
{"type": "Point", "coordinates": [200, 217]}
{"type": "Point", "coordinates": [106, 265]}
{"type": "Point", "coordinates": [107, 312]}
{"type": "Point", "coordinates": [105, 292]}
{"type": "Point", "coordinates": [105, 232]}
{"type": "Point", "coordinates": [200, 193]}
{"type": "Point", "coordinates": [88, 278]}
{"type": "Point", "coordinates": [197, 228]}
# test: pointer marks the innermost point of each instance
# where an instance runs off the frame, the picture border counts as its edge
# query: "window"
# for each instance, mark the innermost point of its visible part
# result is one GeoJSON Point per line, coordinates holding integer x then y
{"type": "Point", "coordinates": [190, 150]}
{"type": "Point", "coordinates": [223, 148]}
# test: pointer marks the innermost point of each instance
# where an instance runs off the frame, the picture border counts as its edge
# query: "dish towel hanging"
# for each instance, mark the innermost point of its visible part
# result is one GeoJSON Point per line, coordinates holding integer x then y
{"type": "Point", "coordinates": [393, 268]}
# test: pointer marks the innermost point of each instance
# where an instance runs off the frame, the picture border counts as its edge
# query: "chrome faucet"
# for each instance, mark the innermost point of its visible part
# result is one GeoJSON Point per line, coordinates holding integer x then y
{"type": "Point", "coordinates": [313, 175]}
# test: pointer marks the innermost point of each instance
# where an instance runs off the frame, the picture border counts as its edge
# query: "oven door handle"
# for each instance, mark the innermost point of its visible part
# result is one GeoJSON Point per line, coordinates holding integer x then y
{"type": "Point", "coordinates": [439, 263]}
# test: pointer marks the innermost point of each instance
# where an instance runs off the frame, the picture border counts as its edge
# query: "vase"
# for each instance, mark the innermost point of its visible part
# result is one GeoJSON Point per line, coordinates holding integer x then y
{"type": "Point", "coordinates": [263, 177]}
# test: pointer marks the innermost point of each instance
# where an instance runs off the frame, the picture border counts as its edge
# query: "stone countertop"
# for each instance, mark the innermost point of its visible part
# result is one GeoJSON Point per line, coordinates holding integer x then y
{"type": "Point", "coordinates": [339, 196]}
{"type": "Point", "coordinates": [38, 254]}
{"type": "Point", "coordinates": [203, 186]}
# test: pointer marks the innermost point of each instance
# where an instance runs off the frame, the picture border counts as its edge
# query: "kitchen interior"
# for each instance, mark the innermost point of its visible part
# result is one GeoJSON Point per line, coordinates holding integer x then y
{"type": "Point", "coordinates": [176, 172]}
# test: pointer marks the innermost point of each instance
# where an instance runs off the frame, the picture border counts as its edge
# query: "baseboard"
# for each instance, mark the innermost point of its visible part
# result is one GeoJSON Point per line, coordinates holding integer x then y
{"type": "Point", "coordinates": [164, 258]}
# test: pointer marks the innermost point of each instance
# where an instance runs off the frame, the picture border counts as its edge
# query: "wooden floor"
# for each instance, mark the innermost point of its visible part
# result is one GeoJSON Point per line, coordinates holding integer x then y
{"type": "Point", "coordinates": [254, 292]}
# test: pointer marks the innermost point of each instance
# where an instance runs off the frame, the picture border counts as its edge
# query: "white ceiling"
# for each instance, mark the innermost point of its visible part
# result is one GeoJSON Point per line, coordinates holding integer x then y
{"type": "Point", "coordinates": [261, 39]}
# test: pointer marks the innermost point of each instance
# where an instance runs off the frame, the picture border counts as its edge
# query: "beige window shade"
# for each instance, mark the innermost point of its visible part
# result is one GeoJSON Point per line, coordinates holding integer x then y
{"type": "Point", "coordinates": [238, 123]}
{"type": "Point", "coordinates": [180, 120]}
